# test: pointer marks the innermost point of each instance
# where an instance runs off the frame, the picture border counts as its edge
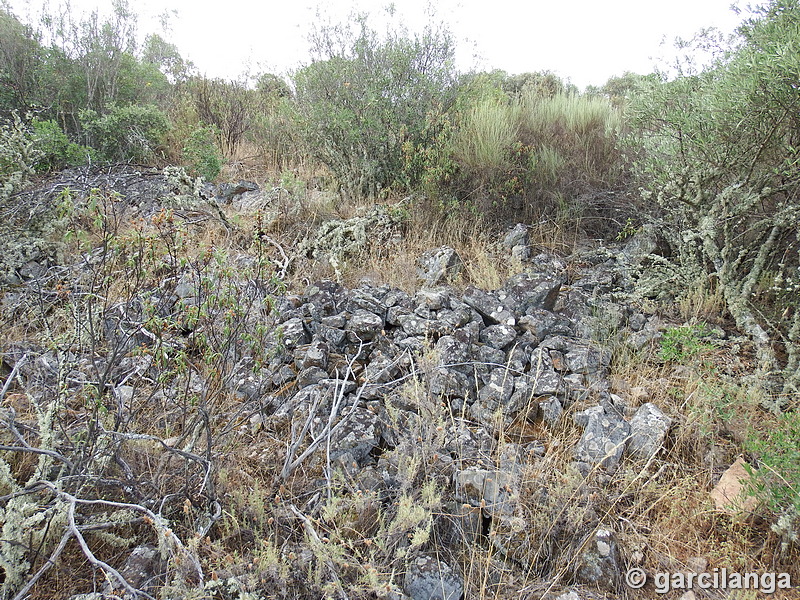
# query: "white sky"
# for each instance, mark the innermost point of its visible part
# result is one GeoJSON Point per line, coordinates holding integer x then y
{"type": "Point", "coordinates": [585, 41]}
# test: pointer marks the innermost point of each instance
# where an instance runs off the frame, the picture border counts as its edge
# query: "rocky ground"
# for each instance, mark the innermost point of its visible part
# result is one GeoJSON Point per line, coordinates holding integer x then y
{"type": "Point", "coordinates": [211, 420]}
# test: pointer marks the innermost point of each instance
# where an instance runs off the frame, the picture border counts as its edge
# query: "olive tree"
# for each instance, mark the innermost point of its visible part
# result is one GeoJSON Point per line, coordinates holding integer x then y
{"type": "Point", "coordinates": [723, 165]}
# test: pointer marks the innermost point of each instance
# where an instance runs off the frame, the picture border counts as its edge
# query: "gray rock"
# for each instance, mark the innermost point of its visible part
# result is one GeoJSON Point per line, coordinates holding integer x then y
{"type": "Point", "coordinates": [604, 438]}
{"type": "Point", "coordinates": [587, 360]}
{"type": "Point", "coordinates": [462, 524]}
{"type": "Point", "coordinates": [447, 383]}
{"type": "Point", "coordinates": [488, 306]}
{"type": "Point", "coordinates": [543, 379]}
{"type": "Point", "coordinates": [649, 427]}
{"type": "Point", "coordinates": [32, 270]}
{"type": "Point", "coordinates": [332, 336]}
{"type": "Point", "coordinates": [395, 315]}
{"type": "Point", "coordinates": [418, 326]}
{"type": "Point", "coordinates": [551, 411]}
{"type": "Point", "coordinates": [649, 335]}
{"type": "Point", "coordinates": [381, 369]}
{"type": "Point", "coordinates": [433, 299]}
{"type": "Point", "coordinates": [364, 326]}
{"type": "Point", "coordinates": [439, 266]}
{"type": "Point", "coordinates": [368, 299]}
{"type": "Point", "coordinates": [310, 376]}
{"type": "Point", "coordinates": [498, 390]}
{"type": "Point", "coordinates": [143, 570]}
{"type": "Point", "coordinates": [493, 490]}
{"type": "Point", "coordinates": [292, 333]}
{"type": "Point", "coordinates": [598, 564]}
{"type": "Point", "coordinates": [521, 252]}
{"type": "Point", "coordinates": [644, 243]}
{"type": "Point", "coordinates": [451, 350]}
{"type": "Point", "coordinates": [469, 443]}
{"type": "Point", "coordinates": [522, 400]}
{"type": "Point", "coordinates": [637, 321]}
{"type": "Point", "coordinates": [526, 291]}
{"type": "Point", "coordinates": [498, 336]}
{"type": "Point", "coordinates": [316, 355]}
{"type": "Point", "coordinates": [543, 323]}
{"type": "Point", "coordinates": [357, 437]}
{"type": "Point", "coordinates": [518, 236]}
{"type": "Point", "coordinates": [430, 579]}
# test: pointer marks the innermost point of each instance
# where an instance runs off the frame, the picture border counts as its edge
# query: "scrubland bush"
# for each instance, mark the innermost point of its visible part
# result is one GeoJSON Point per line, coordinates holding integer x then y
{"type": "Point", "coordinates": [18, 156]}
{"type": "Point", "coordinates": [126, 133]}
{"type": "Point", "coordinates": [56, 148]}
{"type": "Point", "coordinates": [365, 95]}
{"type": "Point", "coordinates": [720, 163]}
{"type": "Point", "coordinates": [201, 152]}
{"type": "Point", "coordinates": [227, 105]}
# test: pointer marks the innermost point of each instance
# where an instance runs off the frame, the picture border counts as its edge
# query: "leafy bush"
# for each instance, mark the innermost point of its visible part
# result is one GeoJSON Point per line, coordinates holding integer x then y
{"type": "Point", "coordinates": [126, 133]}
{"type": "Point", "coordinates": [365, 96]}
{"type": "Point", "coordinates": [777, 479]}
{"type": "Point", "coordinates": [685, 342]}
{"type": "Point", "coordinates": [18, 155]}
{"type": "Point", "coordinates": [56, 149]}
{"type": "Point", "coordinates": [201, 153]}
{"type": "Point", "coordinates": [273, 129]}
{"type": "Point", "coordinates": [723, 164]}
{"type": "Point", "coordinates": [227, 105]}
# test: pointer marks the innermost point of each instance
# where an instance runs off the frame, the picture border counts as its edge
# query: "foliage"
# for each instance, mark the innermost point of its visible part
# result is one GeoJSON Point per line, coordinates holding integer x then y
{"type": "Point", "coordinates": [126, 133]}
{"type": "Point", "coordinates": [18, 156]}
{"type": "Point", "coordinates": [20, 53]}
{"type": "Point", "coordinates": [201, 152]}
{"type": "Point", "coordinates": [777, 480]}
{"type": "Point", "coordinates": [721, 157]}
{"type": "Point", "coordinates": [57, 151]}
{"type": "Point", "coordinates": [685, 342]}
{"type": "Point", "coordinates": [367, 95]}
{"type": "Point", "coordinates": [98, 48]}
{"type": "Point", "coordinates": [166, 57]}
{"type": "Point", "coordinates": [526, 152]}
{"type": "Point", "coordinates": [273, 128]}
{"type": "Point", "coordinates": [104, 474]}
{"type": "Point", "coordinates": [88, 81]}
{"type": "Point", "coordinates": [227, 105]}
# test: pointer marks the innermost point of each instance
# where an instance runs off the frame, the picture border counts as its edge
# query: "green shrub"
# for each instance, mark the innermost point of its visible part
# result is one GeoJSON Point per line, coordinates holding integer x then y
{"type": "Point", "coordinates": [18, 156]}
{"type": "Point", "coordinates": [685, 342]}
{"type": "Point", "coordinates": [56, 149]}
{"type": "Point", "coordinates": [532, 150]}
{"type": "Point", "coordinates": [777, 480]}
{"type": "Point", "coordinates": [721, 168]}
{"type": "Point", "coordinates": [366, 97]}
{"type": "Point", "coordinates": [487, 133]}
{"type": "Point", "coordinates": [201, 152]}
{"type": "Point", "coordinates": [126, 133]}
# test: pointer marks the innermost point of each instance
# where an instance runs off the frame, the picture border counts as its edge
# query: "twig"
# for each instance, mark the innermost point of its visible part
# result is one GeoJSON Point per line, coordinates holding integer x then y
{"type": "Point", "coordinates": [45, 567]}
{"type": "Point", "coordinates": [11, 377]}
{"type": "Point", "coordinates": [308, 526]}
{"type": "Point", "coordinates": [327, 432]}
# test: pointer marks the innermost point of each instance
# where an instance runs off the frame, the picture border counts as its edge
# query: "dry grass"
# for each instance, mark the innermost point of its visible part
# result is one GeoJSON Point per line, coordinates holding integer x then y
{"type": "Point", "coordinates": [660, 510]}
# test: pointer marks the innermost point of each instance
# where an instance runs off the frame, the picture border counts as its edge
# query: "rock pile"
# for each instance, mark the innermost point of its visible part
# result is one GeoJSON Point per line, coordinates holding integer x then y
{"type": "Point", "coordinates": [495, 360]}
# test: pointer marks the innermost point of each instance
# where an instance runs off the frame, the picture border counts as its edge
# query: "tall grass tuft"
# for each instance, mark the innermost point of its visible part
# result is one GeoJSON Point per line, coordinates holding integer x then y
{"type": "Point", "coordinates": [583, 130]}
{"type": "Point", "coordinates": [532, 152]}
{"type": "Point", "coordinates": [488, 131]}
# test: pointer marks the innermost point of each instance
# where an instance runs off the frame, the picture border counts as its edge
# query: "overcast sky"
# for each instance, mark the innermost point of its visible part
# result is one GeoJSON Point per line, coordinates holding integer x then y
{"type": "Point", "coordinates": [585, 41]}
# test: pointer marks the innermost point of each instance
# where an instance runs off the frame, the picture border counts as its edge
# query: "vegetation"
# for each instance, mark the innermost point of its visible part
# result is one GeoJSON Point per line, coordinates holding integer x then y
{"type": "Point", "coordinates": [170, 313]}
